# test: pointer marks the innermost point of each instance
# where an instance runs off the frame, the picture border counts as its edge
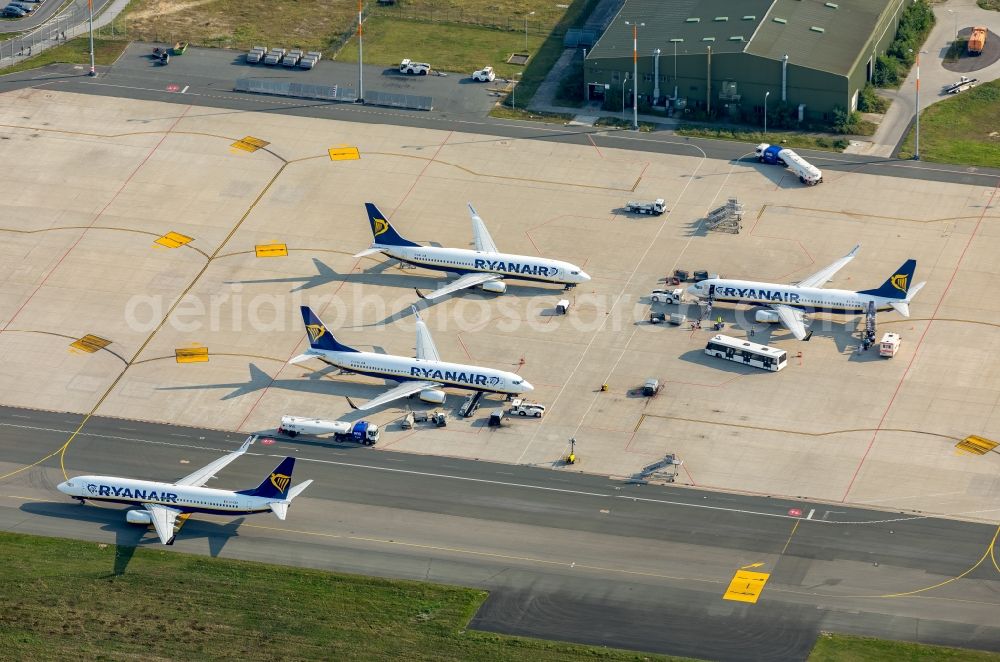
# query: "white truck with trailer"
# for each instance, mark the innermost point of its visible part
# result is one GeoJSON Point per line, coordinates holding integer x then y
{"type": "Point", "coordinates": [524, 408]}
{"type": "Point", "coordinates": [407, 66]}
{"type": "Point", "coordinates": [361, 432]}
{"type": "Point", "coordinates": [654, 208]}
{"type": "Point", "coordinates": [807, 173]}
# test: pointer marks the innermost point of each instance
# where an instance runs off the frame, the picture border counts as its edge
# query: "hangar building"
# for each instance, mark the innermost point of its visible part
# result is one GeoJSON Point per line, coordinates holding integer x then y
{"type": "Point", "coordinates": [724, 56]}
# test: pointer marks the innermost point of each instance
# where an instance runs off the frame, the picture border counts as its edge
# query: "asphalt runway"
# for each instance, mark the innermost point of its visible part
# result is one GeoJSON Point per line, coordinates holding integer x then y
{"type": "Point", "coordinates": [205, 77]}
{"type": "Point", "coordinates": [565, 555]}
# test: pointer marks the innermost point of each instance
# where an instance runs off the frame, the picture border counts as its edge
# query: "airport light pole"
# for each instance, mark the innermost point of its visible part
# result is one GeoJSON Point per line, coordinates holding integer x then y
{"type": "Point", "coordinates": [916, 142]}
{"type": "Point", "coordinates": [361, 73]}
{"type": "Point", "coordinates": [93, 69]}
{"type": "Point", "coordinates": [526, 29]}
{"type": "Point", "coordinates": [675, 66]}
{"type": "Point", "coordinates": [766, 94]}
{"type": "Point", "coordinates": [635, 73]}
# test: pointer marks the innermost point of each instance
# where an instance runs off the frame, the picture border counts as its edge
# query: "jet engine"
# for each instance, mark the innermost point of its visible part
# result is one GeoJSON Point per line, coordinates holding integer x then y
{"type": "Point", "coordinates": [496, 286]}
{"type": "Point", "coordinates": [433, 396]}
{"type": "Point", "coordinates": [138, 517]}
{"type": "Point", "coordinates": [763, 315]}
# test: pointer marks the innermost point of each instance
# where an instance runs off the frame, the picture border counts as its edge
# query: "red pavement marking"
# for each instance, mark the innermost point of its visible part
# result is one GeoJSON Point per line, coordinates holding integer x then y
{"type": "Point", "coordinates": [794, 512]}
{"type": "Point", "coordinates": [99, 214]}
{"type": "Point", "coordinates": [920, 342]}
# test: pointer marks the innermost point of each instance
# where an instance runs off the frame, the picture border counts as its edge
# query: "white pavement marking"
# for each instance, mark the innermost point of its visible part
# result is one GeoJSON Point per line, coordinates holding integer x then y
{"type": "Point", "coordinates": [812, 512]}
{"type": "Point", "coordinates": [429, 474]}
{"type": "Point", "coordinates": [593, 337]}
{"type": "Point", "coordinates": [185, 89]}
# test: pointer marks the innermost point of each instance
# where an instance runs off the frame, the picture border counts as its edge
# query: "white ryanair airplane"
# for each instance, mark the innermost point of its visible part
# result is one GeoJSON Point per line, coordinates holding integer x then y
{"type": "Point", "coordinates": [485, 266]}
{"type": "Point", "coordinates": [168, 505]}
{"type": "Point", "coordinates": [426, 374]}
{"type": "Point", "coordinates": [789, 303]}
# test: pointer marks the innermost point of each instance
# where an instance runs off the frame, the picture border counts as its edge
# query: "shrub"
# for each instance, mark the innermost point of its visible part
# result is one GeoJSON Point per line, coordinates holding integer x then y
{"type": "Point", "coordinates": [870, 102]}
{"type": "Point", "coordinates": [846, 122]}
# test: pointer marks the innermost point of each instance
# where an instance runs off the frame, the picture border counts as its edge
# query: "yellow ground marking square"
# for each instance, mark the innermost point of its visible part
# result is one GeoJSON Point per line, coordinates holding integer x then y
{"type": "Point", "coordinates": [344, 153]}
{"type": "Point", "coordinates": [250, 144]}
{"type": "Point", "coordinates": [271, 250]}
{"type": "Point", "coordinates": [173, 240]}
{"type": "Point", "coordinates": [192, 355]}
{"type": "Point", "coordinates": [746, 586]}
{"type": "Point", "coordinates": [90, 344]}
{"type": "Point", "coordinates": [976, 445]}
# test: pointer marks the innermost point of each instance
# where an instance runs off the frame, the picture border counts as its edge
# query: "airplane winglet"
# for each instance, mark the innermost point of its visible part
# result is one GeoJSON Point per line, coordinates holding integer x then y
{"type": "Point", "coordinates": [854, 251]}
{"type": "Point", "coordinates": [353, 406]}
{"type": "Point", "coordinates": [246, 444]}
{"type": "Point", "coordinates": [419, 293]}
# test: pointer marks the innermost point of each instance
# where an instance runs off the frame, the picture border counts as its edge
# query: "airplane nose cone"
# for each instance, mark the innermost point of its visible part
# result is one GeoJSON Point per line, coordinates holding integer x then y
{"type": "Point", "coordinates": [693, 290]}
{"type": "Point", "coordinates": [584, 276]}
{"type": "Point", "coordinates": [527, 386]}
{"type": "Point", "coordinates": [63, 487]}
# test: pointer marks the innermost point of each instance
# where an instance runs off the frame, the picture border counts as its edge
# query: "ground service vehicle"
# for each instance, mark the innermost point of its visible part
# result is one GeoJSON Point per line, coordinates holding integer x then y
{"type": "Point", "coordinates": [889, 345]}
{"type": "Point", "coordinates": [667, 296]}
{"type": "Point", "coordinates": [977, 40]}
{"type": "Point", "coordinates": [361, 432]}
{"type": "Point", "coordinates": [654, 208]}
{"type": "Point", "coordinates": [961, 85]}
{"type": "Point", "coordinates": [524, 408]}
{"type": "Point", "coordinates": [256, 54]}
{"type": "Point", "coordinates": [747, 353]}
{"type": "Point", "coordinates": [484, 75]}
{"type": "Point", "coordinates": [274, 56]}
{"type": "Point", "coordinates": [310, 59]}
{"type": "Point", "coordinates": [414, 68]}
{"type": "Point", "coordinates": [777, 155]}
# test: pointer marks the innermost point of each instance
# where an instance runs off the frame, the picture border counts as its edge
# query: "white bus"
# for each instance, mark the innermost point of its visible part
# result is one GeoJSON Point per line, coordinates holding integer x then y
{"type": "Point", "coordinates": [748, 353]}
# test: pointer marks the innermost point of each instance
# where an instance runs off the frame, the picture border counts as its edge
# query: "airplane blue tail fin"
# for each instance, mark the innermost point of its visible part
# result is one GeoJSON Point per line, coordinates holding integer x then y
{"type": "Point", "coordinates": [275, 485]}
{"type": "Point", "coordinates": [897, 285]}
{"type": "Point", "coordinates": [319, 336]}
{"type": "Point", "coordinates": [382, 229]}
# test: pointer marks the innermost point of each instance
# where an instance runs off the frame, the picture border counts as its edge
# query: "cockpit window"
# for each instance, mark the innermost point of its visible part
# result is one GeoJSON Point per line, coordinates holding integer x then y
{"type": "Point", "coordinates": [575, 273]}
{"type": "Point", "coordinates": [518, 381]}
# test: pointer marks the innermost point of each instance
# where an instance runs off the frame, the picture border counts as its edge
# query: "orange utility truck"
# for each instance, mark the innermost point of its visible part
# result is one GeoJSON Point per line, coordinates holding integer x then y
{"type": "Point", "coordinates": [977, 41]}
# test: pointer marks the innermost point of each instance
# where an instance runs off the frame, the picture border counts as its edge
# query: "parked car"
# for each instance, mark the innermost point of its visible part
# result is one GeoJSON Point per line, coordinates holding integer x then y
{"type": "Point", "coordinates": [27, 9]}
{"type": "Point", "coordinates": [291, 58]}
{"type": "Point", "coordinates": [11, 11]}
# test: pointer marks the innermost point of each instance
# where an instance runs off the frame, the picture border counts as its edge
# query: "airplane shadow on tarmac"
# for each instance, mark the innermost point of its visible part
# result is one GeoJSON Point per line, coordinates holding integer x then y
{"type": "Point", "coordinates": [129, 536]}
{"type": "Point", "coordinates": [375, 275]}
{"type": "Point", "coordinates": [315, 382]}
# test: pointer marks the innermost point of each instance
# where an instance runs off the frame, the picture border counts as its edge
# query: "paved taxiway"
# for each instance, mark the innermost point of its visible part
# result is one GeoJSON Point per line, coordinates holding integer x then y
{"type": "Point", "coordinates": [565, 555]}
{"type": "Point", "coordinates": [206, 78]}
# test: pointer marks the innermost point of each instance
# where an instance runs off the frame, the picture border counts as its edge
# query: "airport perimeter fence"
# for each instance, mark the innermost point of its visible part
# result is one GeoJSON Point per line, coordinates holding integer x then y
{"type": "Point", "coordinates": [473, 18]}
{"type": "Point", "coordinates": [59, 29]}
